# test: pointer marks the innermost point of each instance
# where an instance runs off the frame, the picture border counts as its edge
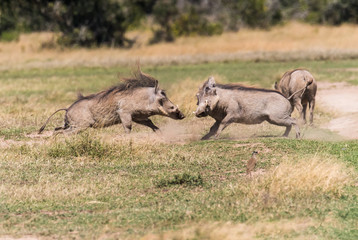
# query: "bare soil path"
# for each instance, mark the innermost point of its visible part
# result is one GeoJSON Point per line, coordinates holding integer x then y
{"type": "Point", "coordinates": [341, 99]}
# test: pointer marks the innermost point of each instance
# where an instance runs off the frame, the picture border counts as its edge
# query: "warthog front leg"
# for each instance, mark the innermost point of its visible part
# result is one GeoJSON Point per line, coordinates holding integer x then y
{"type": "Point", "coordinates": [212, 131]}
{"type": "Point", "coordinates": [218, 127]}
{"type": "Point", "coordinates": [224, 123]}
{"type": "Point", "coordinates": [148, 123]}
{"type": "Point", "coordinates": [126, 120]}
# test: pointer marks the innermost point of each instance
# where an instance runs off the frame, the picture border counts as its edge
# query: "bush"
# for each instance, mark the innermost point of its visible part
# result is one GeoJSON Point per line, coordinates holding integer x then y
{"type": "Point", "coordinates": [339, 12]}
{"type": "Point", "coordinates": [192, 23]}
{"type": "Point", "coordinates": [82, 22]}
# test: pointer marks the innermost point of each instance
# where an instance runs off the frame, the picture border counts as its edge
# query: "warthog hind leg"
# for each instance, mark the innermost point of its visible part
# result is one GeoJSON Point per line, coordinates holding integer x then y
{"type": "Point", "coordinates": [68, 131]}
{"type": "Point", "coordinates": [312, 104]}
{"type": "Point", "coordinates": [303, 113]}
{"type": "Point", "coordinates": [288, 122]}
{"type": "Point", "coordinates": [299, 107]}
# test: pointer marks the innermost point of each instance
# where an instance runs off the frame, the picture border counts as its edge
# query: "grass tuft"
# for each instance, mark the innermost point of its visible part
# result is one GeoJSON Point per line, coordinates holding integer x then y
{"type": "Point", "coordinates": [83, 145]}
{"type": "Point", "coordinates": [186, 179]}
{"type": "Point", "coordinates": [302, 179]}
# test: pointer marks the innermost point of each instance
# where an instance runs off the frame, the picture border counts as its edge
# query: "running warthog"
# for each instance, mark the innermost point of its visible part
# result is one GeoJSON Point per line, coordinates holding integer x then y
{"type": "Point", "coordinates": [135, 99]}
{"type": "Point", "coordinates": [233, 103]}
{"type": "Point", "coordinates": [294, 80]}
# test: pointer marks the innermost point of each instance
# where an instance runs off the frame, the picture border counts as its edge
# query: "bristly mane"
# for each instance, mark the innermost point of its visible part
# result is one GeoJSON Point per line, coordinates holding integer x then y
{"type": "Point", "coordinates": [138, 80]}
{"type": "Point", "coordinates": [245, 88]}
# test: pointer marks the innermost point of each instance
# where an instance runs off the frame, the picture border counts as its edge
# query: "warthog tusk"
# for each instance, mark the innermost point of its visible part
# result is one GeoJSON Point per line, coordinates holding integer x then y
{"type": "Point", "coordinates": [206, 102]}
{"type": "Point", "coordinates": [161, 109]}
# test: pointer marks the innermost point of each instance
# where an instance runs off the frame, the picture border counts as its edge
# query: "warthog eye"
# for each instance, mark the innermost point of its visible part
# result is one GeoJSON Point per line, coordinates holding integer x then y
{"type": "Point", "coordinates": [161, 102]}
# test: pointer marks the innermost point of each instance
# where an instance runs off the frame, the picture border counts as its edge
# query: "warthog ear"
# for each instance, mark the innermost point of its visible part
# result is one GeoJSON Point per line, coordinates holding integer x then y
{"type": "Point", "coordinates": [156, 86]}
{"type": "Point", "coordinates": [211, 82]}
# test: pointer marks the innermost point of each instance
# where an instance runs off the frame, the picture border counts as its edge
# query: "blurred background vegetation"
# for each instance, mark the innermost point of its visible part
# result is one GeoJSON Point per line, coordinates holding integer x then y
{"type": "Point", "coordinates": [92, 23]}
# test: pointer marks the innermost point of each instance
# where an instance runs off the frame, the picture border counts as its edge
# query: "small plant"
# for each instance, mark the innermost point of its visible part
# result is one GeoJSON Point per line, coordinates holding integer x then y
{"type": "Point", "coordinates": [181, 179]}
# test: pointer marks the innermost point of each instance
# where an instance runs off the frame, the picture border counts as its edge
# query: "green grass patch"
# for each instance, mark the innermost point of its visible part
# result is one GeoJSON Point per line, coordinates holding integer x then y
{"type": "Point", "coordinates": [186, 179]}
{"type": "Point", "coordinates": [79, 146]}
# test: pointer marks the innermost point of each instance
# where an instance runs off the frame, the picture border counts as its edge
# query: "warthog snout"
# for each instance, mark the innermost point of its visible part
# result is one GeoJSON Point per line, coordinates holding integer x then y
{"type": "Point", "coordinates": [170, 110]}
{"type": "Point", "coordinates": [202, 110]}
{"type": "Point", "coordinates": [180, 115]}
{"type": "Point", "coordinates": [176, 114]}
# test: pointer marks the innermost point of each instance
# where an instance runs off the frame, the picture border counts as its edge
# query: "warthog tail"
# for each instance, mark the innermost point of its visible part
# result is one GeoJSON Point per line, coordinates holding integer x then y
{"type": "Point", "coordinates": [304, 89]}
{"type": "Point", "coordinates": [43, 126]}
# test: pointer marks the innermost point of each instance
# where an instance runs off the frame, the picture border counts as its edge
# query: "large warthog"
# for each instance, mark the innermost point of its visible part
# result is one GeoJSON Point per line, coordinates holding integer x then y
{"type": "Point", "coordinates": [294, 81]}
{"type": "Point", "coordinates": [134, 100]}
{"type": "Point", "coordinates": [233, 103]}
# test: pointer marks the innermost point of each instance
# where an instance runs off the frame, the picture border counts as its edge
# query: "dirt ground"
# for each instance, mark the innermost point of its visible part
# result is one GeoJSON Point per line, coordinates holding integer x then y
{"type": "Point", "coordinates": [341, 100]}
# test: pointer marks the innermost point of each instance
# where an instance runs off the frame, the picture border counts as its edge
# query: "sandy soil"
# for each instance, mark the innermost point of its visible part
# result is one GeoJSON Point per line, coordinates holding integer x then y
{"type": "Point", "coordinates": [341, 99]}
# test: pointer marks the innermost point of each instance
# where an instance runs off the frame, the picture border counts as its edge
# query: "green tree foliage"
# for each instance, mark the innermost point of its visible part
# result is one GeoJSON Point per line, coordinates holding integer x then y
{"type": "Point", "coordinates": [81, 22]}
{"type": "Point", "coordinates": [88, 23]}
{"type": "Point", "coordinates": [164, 12]}
{"type": "Point", "coordinates": [342, 11]}
{"type": "Point", "coordinates": [105, 22]}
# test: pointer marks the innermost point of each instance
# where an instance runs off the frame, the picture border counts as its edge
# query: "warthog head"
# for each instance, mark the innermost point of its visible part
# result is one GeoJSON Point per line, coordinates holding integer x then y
{"type": "Point", "coordinates": [277, 87]}
{"type": "Point", "coordinates": [165, 106]}
{"type": "Point", "coordinates": [207, 98]}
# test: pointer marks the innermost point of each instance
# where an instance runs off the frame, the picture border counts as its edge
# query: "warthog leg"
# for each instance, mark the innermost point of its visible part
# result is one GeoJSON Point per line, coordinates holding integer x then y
{"type": "Point", "coordinates": [212, 131]}
{"type": "Point", "coordinates": [303, 113]}
{"type": "Point", "coordinates": [299, 107]}
{"type": "Point", "coordinates": [224, 123]}
{"type": "Point", "coordinates": [312, 104]}
{"type": "Point", "coordinates": [67, 131]}
{"type": "Point", "coordinates": [288, 122]}
{"type": "Point", "coordinates": [126, 120]}
{"type": "Point", "coordinates": [148, 123]}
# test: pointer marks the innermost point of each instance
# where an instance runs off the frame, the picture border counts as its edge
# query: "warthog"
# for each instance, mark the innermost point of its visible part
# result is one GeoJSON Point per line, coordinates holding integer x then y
{"type": "Point", "coordinates": [134, 100]}
{"type": "Point", "coordinates": [233, 103]}
{"type": "Point", "coordinates": [293, 81]}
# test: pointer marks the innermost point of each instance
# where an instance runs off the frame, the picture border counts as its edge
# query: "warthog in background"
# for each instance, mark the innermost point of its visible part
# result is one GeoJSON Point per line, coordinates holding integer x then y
{"type": "Point", "coordinates": [135, 99]}
{"type": "Point", "coordinates": [232, 103]}
{"type": "Point", "coordinates": [293, 81]}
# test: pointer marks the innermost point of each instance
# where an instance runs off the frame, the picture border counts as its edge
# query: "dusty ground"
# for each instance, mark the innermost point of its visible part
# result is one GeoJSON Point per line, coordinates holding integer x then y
{"type": "Point", "coordinates": [341, 99]}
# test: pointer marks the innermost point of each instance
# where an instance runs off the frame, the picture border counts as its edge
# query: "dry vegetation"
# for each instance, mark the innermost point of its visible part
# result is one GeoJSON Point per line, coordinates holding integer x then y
{"type": "Point", "coordinates": [288, 42]}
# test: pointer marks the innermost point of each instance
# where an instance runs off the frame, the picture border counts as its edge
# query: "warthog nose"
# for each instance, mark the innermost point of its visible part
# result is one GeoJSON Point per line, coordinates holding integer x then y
{"type": "Point", "coordinates": [180, 115]}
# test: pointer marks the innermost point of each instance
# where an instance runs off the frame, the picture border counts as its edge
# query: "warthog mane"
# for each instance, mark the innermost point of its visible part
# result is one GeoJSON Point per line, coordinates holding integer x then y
{"type": "Point", "coordinates": [138, 80]}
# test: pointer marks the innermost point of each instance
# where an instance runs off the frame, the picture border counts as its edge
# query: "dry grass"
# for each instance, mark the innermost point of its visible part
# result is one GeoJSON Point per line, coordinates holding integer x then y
{"type": "Point", "coordinates": [231, 231]}
{"type": "Point", "coordinates": [303, 178]}
{"type": "Point", "coordinates": [291, 41]}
